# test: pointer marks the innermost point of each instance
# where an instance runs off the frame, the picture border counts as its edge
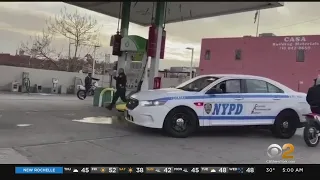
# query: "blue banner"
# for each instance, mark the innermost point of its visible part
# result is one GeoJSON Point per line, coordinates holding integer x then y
{"type": "Point", "coordinates": [39, 170]}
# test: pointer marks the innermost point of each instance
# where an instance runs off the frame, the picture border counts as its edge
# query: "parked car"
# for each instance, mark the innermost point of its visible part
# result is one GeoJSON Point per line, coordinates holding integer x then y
{"type": "Point", "coordinates": [220, 100]}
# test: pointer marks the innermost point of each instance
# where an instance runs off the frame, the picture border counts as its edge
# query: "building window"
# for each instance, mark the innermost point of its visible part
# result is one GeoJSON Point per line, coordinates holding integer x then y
{"type": "Point", "coordinates": [300, 55]}
{"type": "Point", "coordinates": [238, 54]}
{"type": "Point", "coordinates": [207, 55]}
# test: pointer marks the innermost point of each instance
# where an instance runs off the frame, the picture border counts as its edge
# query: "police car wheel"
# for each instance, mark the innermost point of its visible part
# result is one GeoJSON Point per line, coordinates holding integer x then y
{"type": "Point", "coordinates": [284, 126]}
{"type": "Point", "coordinates": [180, 123]}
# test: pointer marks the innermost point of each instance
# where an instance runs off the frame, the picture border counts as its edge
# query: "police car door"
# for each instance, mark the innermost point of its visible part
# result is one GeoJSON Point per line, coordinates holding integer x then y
{"type": "Point", "coordinates": [224, 108]}
{"type": "Point", "coordinates": [261, 102]}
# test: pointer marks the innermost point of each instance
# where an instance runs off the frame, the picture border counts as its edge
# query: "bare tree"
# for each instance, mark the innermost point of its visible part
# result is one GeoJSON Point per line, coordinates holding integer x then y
{"type": "Point", "coordinates": [79, 29]}
{"type": "Point", "coordinates": [39, 47]}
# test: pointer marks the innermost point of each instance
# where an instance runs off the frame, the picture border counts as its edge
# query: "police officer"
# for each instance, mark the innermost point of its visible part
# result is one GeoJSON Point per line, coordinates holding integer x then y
{"type": "Point", "coordinates": [313, 96]}
{"type": "Point", "coordinates": [121, 81]}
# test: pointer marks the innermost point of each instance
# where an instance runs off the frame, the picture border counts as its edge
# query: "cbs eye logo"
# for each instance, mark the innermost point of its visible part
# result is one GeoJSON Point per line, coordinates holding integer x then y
{"type": "Point", "coordinates": [274, 150]}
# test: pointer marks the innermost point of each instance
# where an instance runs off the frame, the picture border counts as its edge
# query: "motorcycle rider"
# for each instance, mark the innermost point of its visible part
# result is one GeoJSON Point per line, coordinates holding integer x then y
{"type": "Point", "coordinates": [88, 81]}
{"type": "Point", "coordinates": [121, 81]}
{"type": "Point", "coordinates": [313, 97]}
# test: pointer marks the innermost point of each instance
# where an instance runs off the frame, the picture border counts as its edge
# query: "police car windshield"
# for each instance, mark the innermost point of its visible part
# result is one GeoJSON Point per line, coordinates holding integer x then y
{"type": "Point", "coordinates": [197, 85]}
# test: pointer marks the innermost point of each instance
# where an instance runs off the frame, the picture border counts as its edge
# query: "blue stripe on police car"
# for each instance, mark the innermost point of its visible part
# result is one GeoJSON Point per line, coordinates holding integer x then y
{"type": "Point", "coordinates": [236, 117]}
{"type": "Point", "coordinates": [222, 96]}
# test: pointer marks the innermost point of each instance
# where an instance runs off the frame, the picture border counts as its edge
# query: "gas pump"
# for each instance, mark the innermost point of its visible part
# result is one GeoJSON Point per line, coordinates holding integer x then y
{"type": "Point", "coordinates": [136, 61]}
{"type": "Point", "coordinates": [54, 88]}
{"type": "Point", "coordinates": [135, 68]}
{"type": "Point", "coordinates": [157, 83]}
{"type": "Point", "coordinates": [25, 87]}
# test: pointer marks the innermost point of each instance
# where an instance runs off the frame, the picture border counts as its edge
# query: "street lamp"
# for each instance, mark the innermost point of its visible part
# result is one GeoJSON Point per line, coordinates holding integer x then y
{"type": "Point", "coordinates": [191, 65]}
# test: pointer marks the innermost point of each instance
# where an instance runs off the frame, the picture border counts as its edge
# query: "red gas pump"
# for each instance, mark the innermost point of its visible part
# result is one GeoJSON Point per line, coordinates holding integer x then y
{"type": "Point", "coordinates": [116, 44]}
{"type": "Point", "coordinates": [152, 41]}
{"type": "Point", "coordinates": [163, 44]}
{"type": "Point", "coordinates": [157, 83]}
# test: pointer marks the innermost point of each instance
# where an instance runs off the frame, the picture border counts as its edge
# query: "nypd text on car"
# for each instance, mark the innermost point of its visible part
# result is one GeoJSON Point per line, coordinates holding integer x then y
{"type": "Point", "coordinates": [220, 100]}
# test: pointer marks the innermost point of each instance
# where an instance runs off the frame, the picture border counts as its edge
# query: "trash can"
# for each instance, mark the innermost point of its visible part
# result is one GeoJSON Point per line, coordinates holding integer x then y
{"type": "Point", "coordinates": [96, 96]}
{"type": "Point", "coordinates": [104, 95]}
{"type": "Point", "coordinates": [14, 86]}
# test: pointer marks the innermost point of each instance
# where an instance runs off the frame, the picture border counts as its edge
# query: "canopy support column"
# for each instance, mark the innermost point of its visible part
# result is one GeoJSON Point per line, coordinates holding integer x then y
{"type": "Point", "coordinates": [159, 21]}
{"type": "Point", "coordinates": [125, 19]}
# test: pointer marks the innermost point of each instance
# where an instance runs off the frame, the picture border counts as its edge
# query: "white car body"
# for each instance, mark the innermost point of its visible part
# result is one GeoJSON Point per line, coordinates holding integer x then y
{"type": "Point", "coordinates": [228, 109]}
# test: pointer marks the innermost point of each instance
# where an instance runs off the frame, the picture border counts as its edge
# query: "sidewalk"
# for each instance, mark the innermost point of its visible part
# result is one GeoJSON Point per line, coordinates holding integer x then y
{"type": "Point", "coordinates": [35, 96]}
{"type": "Point", "coordinates": [30, 94]}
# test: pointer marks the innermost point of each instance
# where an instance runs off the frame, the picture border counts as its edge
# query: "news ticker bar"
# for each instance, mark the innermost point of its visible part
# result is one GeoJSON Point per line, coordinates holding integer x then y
{"type": "Point", "coordinates": [188, 169]}
{"type": "Point", "coordinates": [134, 170]}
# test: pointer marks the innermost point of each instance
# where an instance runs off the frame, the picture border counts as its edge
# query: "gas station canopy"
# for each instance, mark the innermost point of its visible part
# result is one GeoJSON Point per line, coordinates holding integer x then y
{"type": "Point", "coordinates": [141, 12]}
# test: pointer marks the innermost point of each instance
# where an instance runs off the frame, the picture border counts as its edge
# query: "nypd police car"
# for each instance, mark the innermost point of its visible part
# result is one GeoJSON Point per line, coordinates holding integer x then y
{"type": "Point", "coordinates": [220, 100]}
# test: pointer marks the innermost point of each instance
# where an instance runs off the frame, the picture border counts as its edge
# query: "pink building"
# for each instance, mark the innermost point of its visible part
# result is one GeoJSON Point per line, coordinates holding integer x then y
{"type": "Point", "coordinates": [291, 60]}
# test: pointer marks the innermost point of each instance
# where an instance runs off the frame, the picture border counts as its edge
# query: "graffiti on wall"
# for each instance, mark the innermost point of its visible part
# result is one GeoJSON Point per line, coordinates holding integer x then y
{"type": "Point", "coordinates": [295, 43]}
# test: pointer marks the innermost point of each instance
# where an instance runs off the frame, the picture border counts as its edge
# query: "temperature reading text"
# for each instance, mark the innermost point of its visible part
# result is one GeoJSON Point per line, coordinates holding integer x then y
{"type": "Point", "coordinates": [270, 170]}
{"type": "Point", "coordinates": [167, 170]}
{"type": "Point", "coordinates": [250, 170]}
{"type": "Point", "coordinates": [139, 170]}
{"type": "Point", "coordinates": [85, 170]}
{"type": "Point", "coordinates": [223, 170]}
{"type": "Point", "coordinates": [112, 170]}
{"type": "Point", "coordinates": [195, 170]}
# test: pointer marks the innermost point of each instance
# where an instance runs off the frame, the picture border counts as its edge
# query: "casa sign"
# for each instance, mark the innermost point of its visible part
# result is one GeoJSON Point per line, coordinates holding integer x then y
{"type": "Point", "coordinates": [295, 43]}
{"type": "Point", "coordinates": [294, 39]}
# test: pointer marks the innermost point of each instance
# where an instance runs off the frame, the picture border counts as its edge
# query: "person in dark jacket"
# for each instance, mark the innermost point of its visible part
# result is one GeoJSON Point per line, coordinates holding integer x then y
{"type": "Point", "coordinates": [313, 97]}
{"type": "Point", "coordinates": [121, 81]}
{"type": "Point", "coordinates": [88, 81]}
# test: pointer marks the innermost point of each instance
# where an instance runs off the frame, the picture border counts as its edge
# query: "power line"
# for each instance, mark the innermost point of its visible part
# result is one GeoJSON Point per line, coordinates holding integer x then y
{"type": "Point", "coordinates": [303, 22]}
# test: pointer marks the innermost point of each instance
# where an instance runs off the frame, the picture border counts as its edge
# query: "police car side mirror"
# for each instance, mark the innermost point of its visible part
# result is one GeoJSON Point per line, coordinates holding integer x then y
{"type": "Point", "coordinates": [215, 91]}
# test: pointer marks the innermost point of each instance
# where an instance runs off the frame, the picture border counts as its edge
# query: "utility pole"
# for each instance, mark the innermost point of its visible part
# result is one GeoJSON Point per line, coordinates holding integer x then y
{"type": "Point", "coordinates": [94, 58]}
{"type": "Point", "coordinates": [258, 23]}
{"type": "Point", "coordinates": [191, 62]}
{"type": "Point", "coordinates": [106, 60]}
{"type": "Point", "coordinates": [69, 53]}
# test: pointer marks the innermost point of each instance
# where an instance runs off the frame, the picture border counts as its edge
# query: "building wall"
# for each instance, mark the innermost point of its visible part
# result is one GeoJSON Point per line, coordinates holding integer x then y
{"type": "Point", "coordinates": [41, 77]}
{"type": "Point", "coordinates": [272, 57]}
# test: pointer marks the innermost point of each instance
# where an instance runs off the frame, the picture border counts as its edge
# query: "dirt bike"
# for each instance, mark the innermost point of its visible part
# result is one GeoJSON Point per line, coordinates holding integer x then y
{"type": "Point", "coordinates": [311, 131]}
{"type": "Point", "coordinates": [82, 93]}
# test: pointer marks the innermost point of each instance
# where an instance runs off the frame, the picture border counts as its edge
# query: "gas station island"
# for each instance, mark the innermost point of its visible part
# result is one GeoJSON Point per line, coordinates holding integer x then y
{"type": "Point", "coordinates": [134, 51]}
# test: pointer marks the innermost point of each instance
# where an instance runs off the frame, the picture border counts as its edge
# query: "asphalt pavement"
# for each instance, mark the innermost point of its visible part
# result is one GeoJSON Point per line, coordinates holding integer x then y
{"type": "Point", "coordinates": [53, 129]}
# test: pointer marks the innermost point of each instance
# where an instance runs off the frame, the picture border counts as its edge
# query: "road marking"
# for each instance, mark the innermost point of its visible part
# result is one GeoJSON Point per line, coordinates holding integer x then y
{"type": "Point", "coordinates": [44, 94]}
{"type": "Point", "coordinates": [71, 114]}
{"type": "Point", "coordinates": [23, 125]}
{"type": "Point", "coordinates": [95, 120]}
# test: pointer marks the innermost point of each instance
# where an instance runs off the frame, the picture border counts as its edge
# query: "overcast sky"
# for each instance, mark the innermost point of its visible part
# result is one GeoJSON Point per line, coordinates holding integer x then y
{"type": "Point", "coordinates": [20, 20]}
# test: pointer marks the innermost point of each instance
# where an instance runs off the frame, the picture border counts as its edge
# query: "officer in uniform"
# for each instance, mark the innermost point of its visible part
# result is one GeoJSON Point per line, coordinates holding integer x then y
{"type": "Point", "coordinates": [121, 81]}
{"type": "Point", "coordinates": [313, 96]}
